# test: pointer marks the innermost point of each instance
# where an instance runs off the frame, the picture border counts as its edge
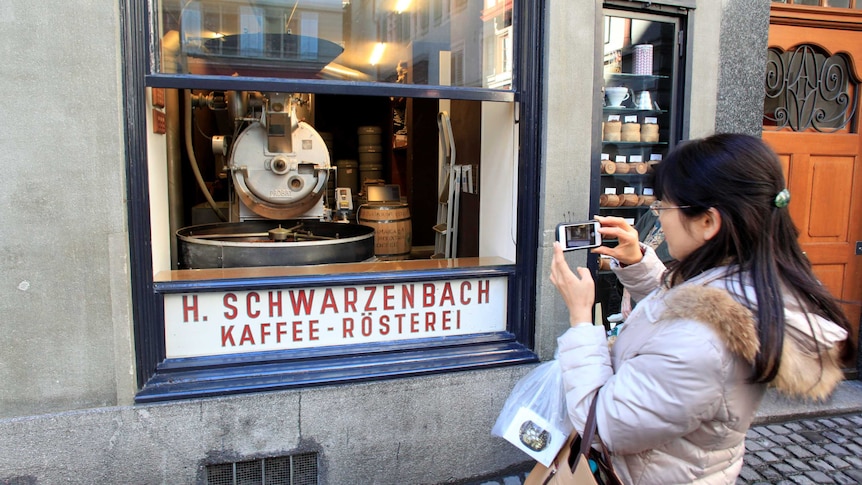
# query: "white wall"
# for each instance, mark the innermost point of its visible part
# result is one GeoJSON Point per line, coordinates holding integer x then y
{"type": "Point", "coordinates": [498, 181]}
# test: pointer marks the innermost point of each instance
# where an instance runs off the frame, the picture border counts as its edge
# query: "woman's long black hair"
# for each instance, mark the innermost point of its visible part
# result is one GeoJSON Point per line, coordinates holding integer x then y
{"type": "Point", "coordinates": [740, 176]}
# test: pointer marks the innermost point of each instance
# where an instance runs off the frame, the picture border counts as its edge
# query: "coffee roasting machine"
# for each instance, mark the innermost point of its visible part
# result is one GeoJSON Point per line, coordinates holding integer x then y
{"type": "Point", "coordinates": [280, 177]}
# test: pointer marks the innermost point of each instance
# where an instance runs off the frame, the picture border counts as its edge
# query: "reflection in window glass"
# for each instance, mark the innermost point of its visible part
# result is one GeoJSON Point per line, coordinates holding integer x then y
{"type": "Point", "coordinates": [838, 3]}
{"type": "Point", "coordinates": [358, 40]}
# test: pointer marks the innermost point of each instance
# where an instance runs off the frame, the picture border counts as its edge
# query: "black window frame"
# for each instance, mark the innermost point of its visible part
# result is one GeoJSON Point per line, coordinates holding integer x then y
{"type": "Point", "coordinates": [161, 379]}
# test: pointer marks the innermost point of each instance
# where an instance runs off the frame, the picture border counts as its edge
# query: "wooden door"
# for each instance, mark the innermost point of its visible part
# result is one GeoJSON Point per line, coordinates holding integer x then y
{"type": "Point", "coordinates": [811, 119]}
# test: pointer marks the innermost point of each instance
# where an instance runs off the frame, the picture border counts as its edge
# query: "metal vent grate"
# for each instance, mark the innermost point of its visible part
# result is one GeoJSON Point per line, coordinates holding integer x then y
{"type": "Point", "coordinates": [281, 470]}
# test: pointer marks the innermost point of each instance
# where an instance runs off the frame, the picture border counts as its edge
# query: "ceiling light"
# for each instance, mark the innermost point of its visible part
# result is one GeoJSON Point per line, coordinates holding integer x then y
{"type": "Point", "coordinates": [377, 53]}
{"type": "Point", "coordinates": [402, 5]}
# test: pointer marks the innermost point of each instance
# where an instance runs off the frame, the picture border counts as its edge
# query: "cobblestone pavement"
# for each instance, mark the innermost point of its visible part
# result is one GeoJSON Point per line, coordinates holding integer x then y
{"type": "Point", "coordinates": [812, 450]}
{"type": "Point", "coordinates": [806, 451]}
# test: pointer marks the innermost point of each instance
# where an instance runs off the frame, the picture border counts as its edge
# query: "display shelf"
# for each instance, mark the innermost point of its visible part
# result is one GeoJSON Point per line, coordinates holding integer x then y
{"type": "Point", "coordinates": [635, 82]}
{"type": "Point", "coordinates": [648, 79]}
{"type": "Point", "coordinates": [625, 76]}
{"type": "Point", "coordinates": [628, 109]}
{"type": "Point", "coordinates": [630, 176]}
{"type": "Point", "coordinates": [634, 143]}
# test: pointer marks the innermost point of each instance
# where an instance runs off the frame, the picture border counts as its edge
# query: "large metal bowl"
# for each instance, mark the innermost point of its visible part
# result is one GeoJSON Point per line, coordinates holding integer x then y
{"type": "Point", "coordinates": [249, 244]}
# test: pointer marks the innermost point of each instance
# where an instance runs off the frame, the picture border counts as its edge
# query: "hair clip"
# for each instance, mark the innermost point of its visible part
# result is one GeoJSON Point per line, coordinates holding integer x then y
{"type": "Point", "coordinates": [782, 199]}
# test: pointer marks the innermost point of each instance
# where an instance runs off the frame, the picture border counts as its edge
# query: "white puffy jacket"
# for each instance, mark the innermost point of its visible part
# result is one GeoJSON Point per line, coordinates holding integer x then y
{"type": "Point", "coordinates": [674, 400]}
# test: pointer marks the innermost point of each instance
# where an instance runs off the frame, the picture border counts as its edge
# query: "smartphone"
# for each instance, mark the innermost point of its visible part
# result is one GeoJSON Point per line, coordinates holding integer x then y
{"type": "Point", "coordinates": [579, 235]}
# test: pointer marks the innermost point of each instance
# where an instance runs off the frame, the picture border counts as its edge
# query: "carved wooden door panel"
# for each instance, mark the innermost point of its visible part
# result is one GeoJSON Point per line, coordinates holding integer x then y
{"type": "Point", "coordinates": [811, 119]}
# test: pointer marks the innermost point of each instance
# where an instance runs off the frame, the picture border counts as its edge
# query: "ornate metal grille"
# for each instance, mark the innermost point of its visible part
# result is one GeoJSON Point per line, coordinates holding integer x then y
{"type": "Point", "coordinates": [808, 89]}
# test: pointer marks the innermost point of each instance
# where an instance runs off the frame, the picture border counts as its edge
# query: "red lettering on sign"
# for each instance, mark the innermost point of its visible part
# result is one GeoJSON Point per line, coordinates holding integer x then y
{"type": "Point", "coordinates": [407, 296]}
{"type": "Point", "coordinates": [301, 302]}
{"type": "Point", "coordinates": [484, 290]}
{"type": "Point", "coordinates": [232, 312]}
{"type": "Point", "coordinates": [371, 290]}
{"type": "Point", "coordinates": [227, 334]}
{"type": "Point", "coordinates": [384, 325]}
{"type": "Point", "coordinates": [297, 331]}
{"type": "Point", "coordinates": [428, 295]}
{"type": "Point", "coordinates": [444, 324]}
{"type": "Point", "coordinates": [347, 326]}
{"type": "Point", "coordinates": [458, 319]}
{"type": "Point", "coordinates": [430, 320]}
{"type": "Point", "coordinates": [350, 300]}
{"type": "Point", "coordinates": [187, 308]}
{"type": "Point", "coordinates": [328, 302]}
{"type": "Point", "coordinates": [414, 323]}
{"type": "Point", "coordinates": [400, 318]}
{"type": "Point", "coordinates": [366, 326]}
{"type": "Point", "coordinates": [447, 294]}
{"type": "Point", "coordinates": [264, 332]}
{"type": "Point", "coordinates": [274, 304]}
{"type": "Point", "coordinates": [250, 299]}
{"type": "Point", "coordinates": [280, 331]}
{"type": "Point", "coordinates": [246, 336]}
{"type": "Point", "coordinates": [388, 297]}
{"type": "Point", "coordinates": [313, 330]}
{"type": "Point", "coordinates": [466, 286]}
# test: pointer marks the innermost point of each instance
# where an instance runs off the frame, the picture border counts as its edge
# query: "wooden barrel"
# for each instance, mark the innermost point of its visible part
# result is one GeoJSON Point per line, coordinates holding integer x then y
{"type": "Point", "coordinates": [629, 200]}
{"type": "Point", "coordinates": [609, 200]}
{"type": "Point", "coordinates": [393, 229]}
{"type": "Point", "coordinates": [640, 167]}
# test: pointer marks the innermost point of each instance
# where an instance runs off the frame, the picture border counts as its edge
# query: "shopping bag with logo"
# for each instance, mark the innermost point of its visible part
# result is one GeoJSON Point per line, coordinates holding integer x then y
{"type": "Point", "coordinates": [577, 463]}
{"type": "Point", "coordinates": [534, 417]}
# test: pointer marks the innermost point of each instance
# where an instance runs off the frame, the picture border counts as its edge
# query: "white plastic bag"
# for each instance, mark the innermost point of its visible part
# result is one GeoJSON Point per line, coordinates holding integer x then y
{"type": "Point", "coordinates": [535, 418]}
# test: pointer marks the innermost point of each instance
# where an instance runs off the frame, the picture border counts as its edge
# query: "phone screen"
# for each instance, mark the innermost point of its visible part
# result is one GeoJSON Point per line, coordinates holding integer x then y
{"type": "Point", "coordinates": [578, 236]}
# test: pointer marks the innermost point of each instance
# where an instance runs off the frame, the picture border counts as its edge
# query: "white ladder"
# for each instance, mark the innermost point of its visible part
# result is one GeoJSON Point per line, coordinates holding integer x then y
{"type": "Point", "coordinates": [457, 178]}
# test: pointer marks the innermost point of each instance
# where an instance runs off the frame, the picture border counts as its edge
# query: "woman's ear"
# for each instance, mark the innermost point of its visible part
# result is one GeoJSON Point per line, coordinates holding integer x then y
{"type": "Point", "coordinates": [711, 223]}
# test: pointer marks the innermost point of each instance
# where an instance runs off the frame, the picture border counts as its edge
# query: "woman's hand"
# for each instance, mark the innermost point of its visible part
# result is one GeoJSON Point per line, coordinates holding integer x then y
{"type": "Point", "coordinates": [628, 249]}
{"type": "Point", "coordinates": [577, 289]}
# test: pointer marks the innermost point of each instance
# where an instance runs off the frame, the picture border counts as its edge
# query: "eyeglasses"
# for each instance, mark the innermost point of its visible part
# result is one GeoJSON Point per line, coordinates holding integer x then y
{"type": "Point", "coordinates": [656, 206]}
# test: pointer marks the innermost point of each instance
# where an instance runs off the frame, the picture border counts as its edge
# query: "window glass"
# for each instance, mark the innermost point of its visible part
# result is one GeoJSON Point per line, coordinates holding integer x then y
{"type": "Point", "coordinates": [253, 179]}
{"type": "Point", "coordinates": [351, 40]}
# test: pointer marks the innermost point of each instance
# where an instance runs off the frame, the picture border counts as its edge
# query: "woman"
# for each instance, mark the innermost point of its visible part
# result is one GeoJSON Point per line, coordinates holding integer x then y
{"type": "Point", "coordinates": [738, 309]}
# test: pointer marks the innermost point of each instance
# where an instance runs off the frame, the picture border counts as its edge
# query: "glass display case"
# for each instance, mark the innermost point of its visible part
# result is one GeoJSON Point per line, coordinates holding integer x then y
{"type": "Point", "coordinates": [640, 123]}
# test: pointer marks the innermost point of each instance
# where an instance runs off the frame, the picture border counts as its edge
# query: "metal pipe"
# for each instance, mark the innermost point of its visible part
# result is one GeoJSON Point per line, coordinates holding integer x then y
{"type": "Point", "coordinates": [173, 156]}
{"type": "Point", "coordinates": [193, 160]}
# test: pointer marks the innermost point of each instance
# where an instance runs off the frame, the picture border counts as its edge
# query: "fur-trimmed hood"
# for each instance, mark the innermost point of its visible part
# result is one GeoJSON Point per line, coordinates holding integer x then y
{"type": "Point", "coordinates": [810, 365]}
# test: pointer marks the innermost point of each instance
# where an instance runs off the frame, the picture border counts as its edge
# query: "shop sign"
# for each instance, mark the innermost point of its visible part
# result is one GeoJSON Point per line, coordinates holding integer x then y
{"type": "Point", "coordinates": [217, 323]}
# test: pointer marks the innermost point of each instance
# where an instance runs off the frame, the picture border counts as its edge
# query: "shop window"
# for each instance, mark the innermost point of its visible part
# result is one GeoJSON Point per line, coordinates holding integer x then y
{"type": "Point", "coordinates": [321, 180]}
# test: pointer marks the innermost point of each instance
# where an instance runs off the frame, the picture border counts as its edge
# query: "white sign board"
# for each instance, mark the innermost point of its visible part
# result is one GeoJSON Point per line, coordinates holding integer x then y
{"type": "Point", "coordinates": [218, 323]}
